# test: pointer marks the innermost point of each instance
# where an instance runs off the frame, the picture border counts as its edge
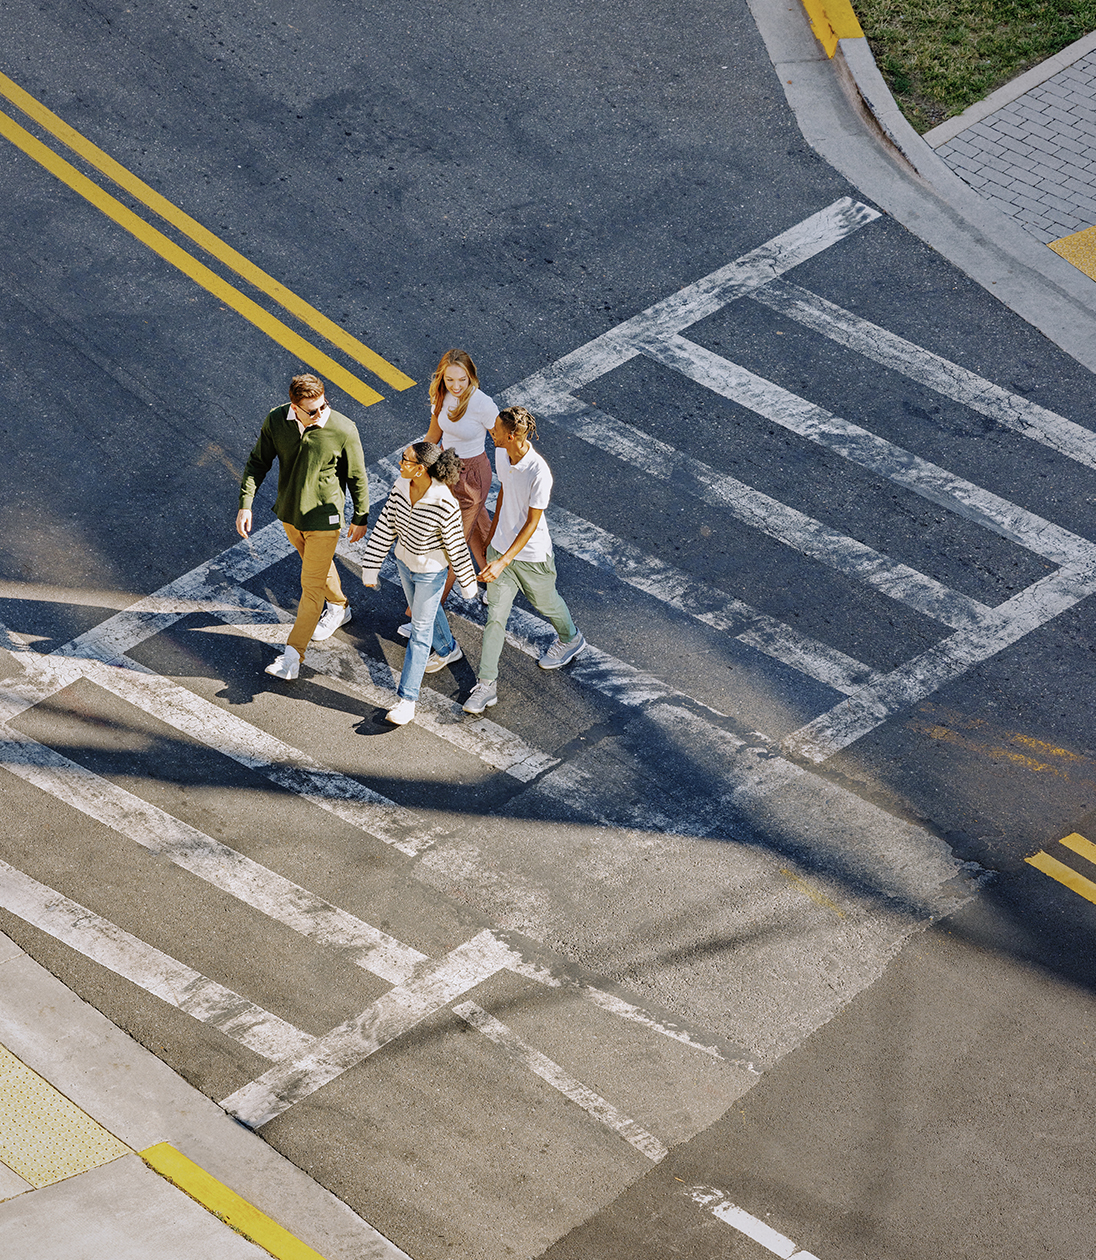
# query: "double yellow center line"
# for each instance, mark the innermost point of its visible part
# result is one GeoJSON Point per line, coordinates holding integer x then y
{"type": "Point", "coordinates": [187, 263]}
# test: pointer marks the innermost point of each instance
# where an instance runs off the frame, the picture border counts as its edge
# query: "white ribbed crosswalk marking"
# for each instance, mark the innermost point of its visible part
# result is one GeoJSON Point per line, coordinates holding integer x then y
{"type": "Point", "coordinates": [1005, 408]}
{"type": "Point", "coordinates": [434, 986]}
{"type": "Point", "coordinates": [755, 773]}
{"type": "Point", "coordinates": [151, 969]}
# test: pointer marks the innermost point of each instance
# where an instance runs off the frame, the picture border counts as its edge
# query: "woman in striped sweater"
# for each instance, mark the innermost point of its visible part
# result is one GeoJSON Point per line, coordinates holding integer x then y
{"type": "Point", "coordinates": [423, 519]}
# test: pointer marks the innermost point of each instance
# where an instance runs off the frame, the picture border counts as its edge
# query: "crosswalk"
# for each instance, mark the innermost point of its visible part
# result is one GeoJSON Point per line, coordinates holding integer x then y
{"type": "Point", "coordinates": [870, 879]}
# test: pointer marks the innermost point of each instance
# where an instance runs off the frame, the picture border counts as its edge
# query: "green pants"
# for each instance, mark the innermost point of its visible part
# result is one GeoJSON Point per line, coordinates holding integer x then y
{"type": "Point", "coordinates": [536, 579]}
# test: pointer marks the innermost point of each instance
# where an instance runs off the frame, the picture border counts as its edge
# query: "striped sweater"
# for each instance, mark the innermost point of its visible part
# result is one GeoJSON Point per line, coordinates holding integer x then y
{"type": "Point", "coordinates": [428, 536]}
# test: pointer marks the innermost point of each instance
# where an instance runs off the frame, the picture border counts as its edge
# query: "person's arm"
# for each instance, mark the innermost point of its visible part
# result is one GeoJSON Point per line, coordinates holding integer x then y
{"type": "Point", "coordinates": [494, 519]}
{"type": "Point", "coordinates": [380, 542]}
{"type": "Point", "coordinates": [494, 567]}
{"type": "Point", "coordinates": [259, 463]}
{"type": "Point", "coordinates": [456, 551]}
{"type": "Point", "coordinates": [357, 478]}
{"type": "Point", "coordinates": [433, 434]}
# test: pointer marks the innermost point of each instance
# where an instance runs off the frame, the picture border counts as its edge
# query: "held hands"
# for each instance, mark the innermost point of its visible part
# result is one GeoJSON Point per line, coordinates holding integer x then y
{"type": "Point", "coordinates": [493, 569]}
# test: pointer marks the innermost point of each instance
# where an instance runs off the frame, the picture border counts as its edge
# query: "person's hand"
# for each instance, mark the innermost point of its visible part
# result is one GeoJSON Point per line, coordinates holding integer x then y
{"type": "Point", "coordinates": [356, 533]}
{"type": "Point", "coordinates": [243, 522]}
{"type": "Point", "coordinates": [492, 570]}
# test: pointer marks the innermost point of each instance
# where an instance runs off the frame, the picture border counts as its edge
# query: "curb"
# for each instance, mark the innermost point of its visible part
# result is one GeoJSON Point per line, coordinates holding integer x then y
{"type": "Point", "coordinates": [838, 29]}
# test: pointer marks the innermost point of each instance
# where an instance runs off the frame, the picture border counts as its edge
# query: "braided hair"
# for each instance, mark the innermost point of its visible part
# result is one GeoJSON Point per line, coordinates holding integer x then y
{"type": "Point", "coordinates": [520, 422]}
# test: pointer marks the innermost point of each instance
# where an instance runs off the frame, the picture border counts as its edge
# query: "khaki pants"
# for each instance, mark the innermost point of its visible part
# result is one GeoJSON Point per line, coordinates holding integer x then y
{"type": "Point", "coordinates": [319, 580]}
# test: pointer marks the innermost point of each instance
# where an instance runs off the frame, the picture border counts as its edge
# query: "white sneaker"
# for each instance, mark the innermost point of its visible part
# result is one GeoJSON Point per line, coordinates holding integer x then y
{"type": "Point", "coordinates": [287, 665]}
{"type": "Point", "coordinates": [404, 631]}
{"type": "Point", "coordinates": [484, 695]}
{"type": "Point", "coordinates": [332, 617]}
{"type": "Point", "coordinates": [434, 662]}
{"type": "Point", "coordinates": [401, 713]}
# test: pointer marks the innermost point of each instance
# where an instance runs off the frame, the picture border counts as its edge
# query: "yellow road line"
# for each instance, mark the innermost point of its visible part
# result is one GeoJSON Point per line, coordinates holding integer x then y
{"type": "Point", "coordinates": [197, 271]}
{"type": "Point", "coordinates": [1063, 874]}
{"type": "Point", "coordinates": [217, 1198]}
{"type": "Point", "coordinates": [1085, 848]}
{"type": "Point", "coordinates": [297, 306]}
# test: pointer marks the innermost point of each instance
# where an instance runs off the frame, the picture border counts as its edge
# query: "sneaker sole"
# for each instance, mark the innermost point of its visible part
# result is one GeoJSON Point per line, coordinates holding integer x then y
{"type": "Point", "coordinates": [432, 667]}
{"type": "Point", "coordinates": [319, 635]}
{"type": "Point", "coordinates": [488, 704]}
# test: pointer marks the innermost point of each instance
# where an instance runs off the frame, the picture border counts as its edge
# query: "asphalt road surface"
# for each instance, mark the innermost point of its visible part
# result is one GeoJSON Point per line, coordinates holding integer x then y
{"type": "Point", "coordinates": [720, 941]}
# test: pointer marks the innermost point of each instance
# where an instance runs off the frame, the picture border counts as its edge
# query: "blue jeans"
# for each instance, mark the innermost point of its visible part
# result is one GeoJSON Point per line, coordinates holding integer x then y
{"type": "Point", "coordinates": [429, 626]}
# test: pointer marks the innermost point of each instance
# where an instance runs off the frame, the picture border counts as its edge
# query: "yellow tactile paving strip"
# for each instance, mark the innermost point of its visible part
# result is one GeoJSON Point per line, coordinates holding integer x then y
{"type": "Point", "coordinates": [43, 1136]}
{"type": "Point", "coordinates": [1079, 249]}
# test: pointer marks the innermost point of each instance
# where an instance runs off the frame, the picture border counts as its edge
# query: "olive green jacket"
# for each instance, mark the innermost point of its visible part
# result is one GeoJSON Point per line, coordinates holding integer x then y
{"type": "Point", "coordinates": [314, 470]}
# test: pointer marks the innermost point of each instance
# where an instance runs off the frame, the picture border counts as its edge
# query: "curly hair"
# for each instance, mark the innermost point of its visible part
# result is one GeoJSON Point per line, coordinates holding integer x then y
{"type": "Point", "coordinates": [443, 466]}
{"type": "Point", "coordinates": [452, 358]}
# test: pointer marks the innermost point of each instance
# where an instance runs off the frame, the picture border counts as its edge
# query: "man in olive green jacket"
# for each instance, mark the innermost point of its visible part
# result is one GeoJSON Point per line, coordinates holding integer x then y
{"type": "Point", "coordinates": [319, 455]}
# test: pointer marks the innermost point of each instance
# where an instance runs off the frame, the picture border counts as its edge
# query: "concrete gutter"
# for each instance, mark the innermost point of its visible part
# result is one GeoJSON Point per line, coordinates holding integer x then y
{"type": "Point", "coordinates": [847, 114]}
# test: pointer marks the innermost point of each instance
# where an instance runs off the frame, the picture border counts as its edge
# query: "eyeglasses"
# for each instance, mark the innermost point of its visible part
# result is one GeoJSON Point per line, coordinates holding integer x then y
{"type": "Point", "coordinates": [312, 414]}
{"type": "Point", "coordinates": [410, 463]}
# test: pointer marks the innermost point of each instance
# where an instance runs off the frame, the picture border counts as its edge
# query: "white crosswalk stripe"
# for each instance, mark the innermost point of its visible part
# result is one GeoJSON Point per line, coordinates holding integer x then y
{"type": "Point", "coordinates": [434, 986]}
{"type": "Point", "coordinates": [171, 981]}
{"type": "Point", "coordinates": [949, 379]}
{"type": "Point", "coordinates": [632, 1133]}
{"type": "Point", "coordinates": [768, 515]}
{"type": "Point", "coordinates": [875, 453]}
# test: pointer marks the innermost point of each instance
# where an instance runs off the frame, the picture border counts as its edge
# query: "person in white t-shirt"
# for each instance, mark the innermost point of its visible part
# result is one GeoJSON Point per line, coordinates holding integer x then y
{"type": "Point", "coordinates": [461, 416]}
{"type": "Point", "coordinates": [519, 555]}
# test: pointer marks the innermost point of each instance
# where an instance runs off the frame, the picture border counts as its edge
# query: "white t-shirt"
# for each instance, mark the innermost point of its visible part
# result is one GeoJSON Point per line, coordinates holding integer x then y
{"type": "Point", "coordinates": [466, 435]}
{"type": "Point", "coordinates": [526, 484]}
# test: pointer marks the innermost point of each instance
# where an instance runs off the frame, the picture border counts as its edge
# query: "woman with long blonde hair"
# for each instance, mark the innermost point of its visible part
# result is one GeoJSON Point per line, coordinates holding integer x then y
{"type": "Point", "coordinates": [461, 416]}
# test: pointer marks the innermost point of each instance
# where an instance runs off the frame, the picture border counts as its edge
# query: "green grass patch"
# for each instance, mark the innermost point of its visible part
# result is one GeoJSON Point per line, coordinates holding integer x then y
{"type": "Point", "coordinates": [939, 56]}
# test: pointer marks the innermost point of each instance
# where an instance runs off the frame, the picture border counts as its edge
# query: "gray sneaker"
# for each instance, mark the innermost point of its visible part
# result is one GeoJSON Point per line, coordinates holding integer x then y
{"type": "Point", "coordinates": [484, 695]}
{"type": "Point", "coordinates": [560, 653]}
{"type": "Point", "coordinates": [434, 662]}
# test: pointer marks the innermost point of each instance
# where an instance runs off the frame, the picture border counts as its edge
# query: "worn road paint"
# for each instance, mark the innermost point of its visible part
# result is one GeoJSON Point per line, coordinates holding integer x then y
{"type": "Point", "coordinates": [155, 972]}
{"type": "Point", "coordinates": [1011, 411]}
{"type": "Point", "coordinates": [738, 1218]}
{"type": "Point", "coordinates": [931, 482]}
{"type": "Point", "coordinates": [537, 1063]}
{"type": "Point", "coordinates": [434, 986]}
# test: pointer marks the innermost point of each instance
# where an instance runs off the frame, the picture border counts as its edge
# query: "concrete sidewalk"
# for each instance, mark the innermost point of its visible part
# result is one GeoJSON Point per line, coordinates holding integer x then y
{"type": "Point", "coordinates": [97, 1135]}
